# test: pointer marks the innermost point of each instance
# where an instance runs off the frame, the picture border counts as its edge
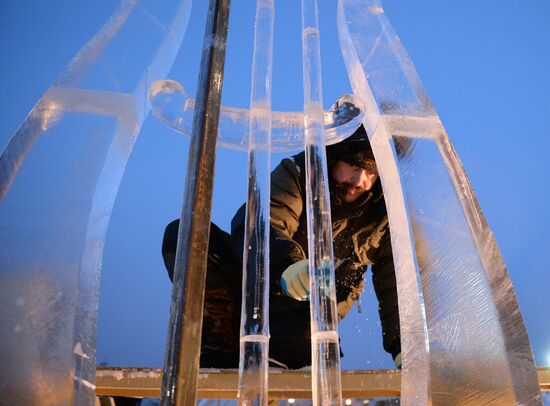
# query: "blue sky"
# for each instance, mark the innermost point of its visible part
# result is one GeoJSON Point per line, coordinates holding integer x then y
{"type": "Point", "coordinates": [484, 64]}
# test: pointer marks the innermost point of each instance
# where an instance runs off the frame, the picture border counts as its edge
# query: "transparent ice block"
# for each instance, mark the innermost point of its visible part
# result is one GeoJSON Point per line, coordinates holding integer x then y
{"type": "Point", "coordinates": [254, 342]}
{"type": "Point", "coordinates": [325, 353]}
{"type": "Point", "coordinates": [463, 337]}
{"type": "Point", "coordinates": [174, 107]}
{"type": "Point", "coordinates": [59, 176]}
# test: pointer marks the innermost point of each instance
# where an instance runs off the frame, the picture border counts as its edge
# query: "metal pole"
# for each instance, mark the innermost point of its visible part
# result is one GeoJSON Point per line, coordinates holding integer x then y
{"type": "Point", "coordinates": [179, 383]}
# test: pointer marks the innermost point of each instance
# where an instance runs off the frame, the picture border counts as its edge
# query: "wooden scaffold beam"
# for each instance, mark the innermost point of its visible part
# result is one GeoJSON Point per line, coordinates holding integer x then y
{"type": "Point", "coordinates": [283, 384]}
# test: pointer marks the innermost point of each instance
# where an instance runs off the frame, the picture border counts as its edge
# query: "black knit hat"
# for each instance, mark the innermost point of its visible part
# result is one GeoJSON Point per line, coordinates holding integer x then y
{"type": "Point", "coordinates": [354, 150]}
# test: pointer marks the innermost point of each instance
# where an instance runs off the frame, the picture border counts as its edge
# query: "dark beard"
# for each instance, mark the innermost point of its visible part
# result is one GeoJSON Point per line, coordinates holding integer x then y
{"type": "Point", "coordinates": [342, 190]}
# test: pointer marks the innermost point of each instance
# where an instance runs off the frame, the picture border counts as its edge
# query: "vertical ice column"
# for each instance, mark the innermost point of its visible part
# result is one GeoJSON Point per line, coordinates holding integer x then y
{"type": "Point", "coordinates": [478, 348]}
{"type": "Point", "coordinates": [181, 363]}
{"type": "Point", "coordinates": [325, 374]}
{"type": "Point", "coordinates": [254, 346]}
{"type": "Point", "coordinates": [59, 176]}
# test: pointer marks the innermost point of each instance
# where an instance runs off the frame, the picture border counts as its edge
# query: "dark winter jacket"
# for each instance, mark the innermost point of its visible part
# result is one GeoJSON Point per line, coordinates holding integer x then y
{"type": "Point", "coordinates": [361, 237]}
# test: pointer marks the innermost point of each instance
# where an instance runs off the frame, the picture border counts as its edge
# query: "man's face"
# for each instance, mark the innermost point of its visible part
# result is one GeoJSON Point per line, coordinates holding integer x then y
{"type": "Point", "coordinates": [352, 181]}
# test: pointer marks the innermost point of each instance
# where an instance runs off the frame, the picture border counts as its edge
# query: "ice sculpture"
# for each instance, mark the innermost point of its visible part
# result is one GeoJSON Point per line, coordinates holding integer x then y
{"type": "Point", "coordinates": [470, 345]}
{"type": "Point", "coordinates": [463, 338]}
{"type": "Point", "coordinates": [174, 107]}
{"type": "Point", "coordinates": [254, 342]}
{"type": "Point", "coordinates": [59, 175]}
{"type": "Point", "coordinates": [325, 348]}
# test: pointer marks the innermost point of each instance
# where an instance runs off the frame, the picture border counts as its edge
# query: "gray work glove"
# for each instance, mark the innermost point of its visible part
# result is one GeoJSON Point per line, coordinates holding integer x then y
{"type": "Point", "coordinates": [295, 280]}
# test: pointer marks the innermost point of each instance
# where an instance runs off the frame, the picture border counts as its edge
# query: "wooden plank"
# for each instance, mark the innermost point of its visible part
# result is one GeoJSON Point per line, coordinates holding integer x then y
{"type": "Point", "coordinates": [222, 383]}
{"type": "Point", "coordinates": [543, 374]}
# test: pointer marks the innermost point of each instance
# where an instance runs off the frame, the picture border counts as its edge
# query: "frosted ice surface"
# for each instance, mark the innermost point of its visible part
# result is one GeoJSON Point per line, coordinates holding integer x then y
{"type": "Point", "coordinates": [463, 338]}
{"type": "Point", "coordinates": [59, 175]}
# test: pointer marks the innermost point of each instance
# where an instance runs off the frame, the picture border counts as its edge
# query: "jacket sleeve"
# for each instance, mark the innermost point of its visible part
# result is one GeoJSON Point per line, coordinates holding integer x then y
{"type": "Point", "coordinates": [385, 286]}
{"type": "Point", "coordinates": [285, 211]}
{"type": "Point", "coordinates": [344, 306]}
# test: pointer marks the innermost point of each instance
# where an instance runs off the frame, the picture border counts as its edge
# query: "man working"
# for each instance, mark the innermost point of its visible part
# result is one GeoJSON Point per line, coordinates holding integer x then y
{"type": "Point", "coordinates": [361, 237]}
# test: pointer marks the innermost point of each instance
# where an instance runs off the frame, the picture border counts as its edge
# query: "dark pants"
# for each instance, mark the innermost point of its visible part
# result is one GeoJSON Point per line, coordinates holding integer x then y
{"type": "Point", "coordinates": [289, 321]}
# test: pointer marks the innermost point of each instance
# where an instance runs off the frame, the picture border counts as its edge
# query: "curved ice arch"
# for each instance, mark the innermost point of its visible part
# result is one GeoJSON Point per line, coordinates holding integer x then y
{"type": "Point", "coordinates": [174, 107]}
{"type": "Point", "coordinates": [460, 321]}
{"type": "Point", "coordinates": [62, 169]}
